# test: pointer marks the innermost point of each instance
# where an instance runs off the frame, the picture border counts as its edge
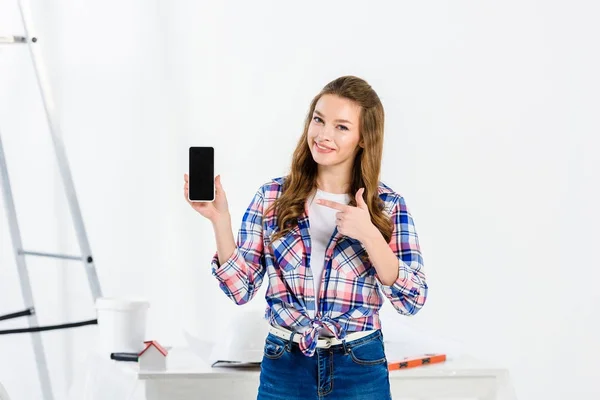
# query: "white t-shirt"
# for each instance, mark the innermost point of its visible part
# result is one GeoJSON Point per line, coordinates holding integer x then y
{"type": "Point", "coordinates": [322, 225]}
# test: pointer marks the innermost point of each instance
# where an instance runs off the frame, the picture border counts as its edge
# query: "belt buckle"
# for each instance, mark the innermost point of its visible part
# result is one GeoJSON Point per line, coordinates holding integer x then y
{"type": "Point", "coordinates": [327, 343]}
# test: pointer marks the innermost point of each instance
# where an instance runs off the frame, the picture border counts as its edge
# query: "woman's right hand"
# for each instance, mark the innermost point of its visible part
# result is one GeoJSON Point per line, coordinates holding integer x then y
{"type": "Point", "coordinates": [213, 210]}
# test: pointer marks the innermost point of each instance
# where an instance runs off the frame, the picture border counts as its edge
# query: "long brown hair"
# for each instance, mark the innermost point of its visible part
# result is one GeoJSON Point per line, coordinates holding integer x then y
{"type": "Point", "coordinates": [302, 179]}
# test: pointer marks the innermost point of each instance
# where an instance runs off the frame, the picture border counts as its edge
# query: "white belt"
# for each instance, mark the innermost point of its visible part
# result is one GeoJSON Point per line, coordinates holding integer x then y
{"type": "Point", "coordinates": [322, 342]}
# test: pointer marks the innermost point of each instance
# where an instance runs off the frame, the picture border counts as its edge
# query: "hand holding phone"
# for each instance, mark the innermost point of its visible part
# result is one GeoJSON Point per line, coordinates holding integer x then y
{"type": "Point", "coordinates": [201, 189]}
{"type": "Point", "coordinates": [212, 210]}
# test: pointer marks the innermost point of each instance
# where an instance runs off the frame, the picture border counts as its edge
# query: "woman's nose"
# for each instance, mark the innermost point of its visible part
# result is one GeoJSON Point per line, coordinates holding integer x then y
{"type": "Point", "coordinates": [324, 134]}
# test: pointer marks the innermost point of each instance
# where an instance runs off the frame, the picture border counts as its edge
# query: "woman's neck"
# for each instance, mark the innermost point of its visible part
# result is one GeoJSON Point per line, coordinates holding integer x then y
{"type": "Point", "coordinates": [333, 180]}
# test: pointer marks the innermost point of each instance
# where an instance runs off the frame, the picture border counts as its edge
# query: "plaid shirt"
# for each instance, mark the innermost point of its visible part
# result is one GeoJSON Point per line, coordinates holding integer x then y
{"type": "Point", "coordinates": [349, 297]}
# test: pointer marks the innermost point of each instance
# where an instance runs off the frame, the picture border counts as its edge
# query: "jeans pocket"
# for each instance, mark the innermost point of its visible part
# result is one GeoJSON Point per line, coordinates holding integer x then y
{"type": "Point", "coordinates": [370, 352]}
{"type": "Point", "coordinates": [274, 348]}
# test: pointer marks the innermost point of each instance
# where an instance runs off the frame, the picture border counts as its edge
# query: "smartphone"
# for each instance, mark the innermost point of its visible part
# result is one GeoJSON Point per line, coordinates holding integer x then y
{"type": "Point", "coordinates": [201, 183]}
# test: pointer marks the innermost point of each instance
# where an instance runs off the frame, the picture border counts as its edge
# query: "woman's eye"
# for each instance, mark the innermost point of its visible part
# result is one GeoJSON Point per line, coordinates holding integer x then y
{"type": "Point", "coordinates": [343, 127]}
{"type": "Point", "coordinates": [317, 119]}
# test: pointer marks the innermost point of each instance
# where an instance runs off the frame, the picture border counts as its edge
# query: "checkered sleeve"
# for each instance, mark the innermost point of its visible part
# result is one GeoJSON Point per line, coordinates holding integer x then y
{"type": "Point", "coordinates": [409, 292]}
{"type": "Point", "coordinates": [242, 274]}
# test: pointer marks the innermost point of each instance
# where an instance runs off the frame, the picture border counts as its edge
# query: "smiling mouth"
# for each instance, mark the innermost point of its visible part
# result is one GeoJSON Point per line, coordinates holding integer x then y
{"type": "Point", "coordinates": [322, 147]}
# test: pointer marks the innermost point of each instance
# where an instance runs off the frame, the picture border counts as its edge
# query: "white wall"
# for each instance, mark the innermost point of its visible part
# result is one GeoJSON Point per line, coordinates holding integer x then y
{"type": "Point", "coordinates": [491, 122]}
{"type": "Point", "coordinates": [106, 62]}
{"type": "Point", "coordinates": [34, 180]}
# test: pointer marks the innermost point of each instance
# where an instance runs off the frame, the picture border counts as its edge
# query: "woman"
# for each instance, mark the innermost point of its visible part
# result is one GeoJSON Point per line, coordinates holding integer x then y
{"type": "Point", "coordinates": [334, 242]}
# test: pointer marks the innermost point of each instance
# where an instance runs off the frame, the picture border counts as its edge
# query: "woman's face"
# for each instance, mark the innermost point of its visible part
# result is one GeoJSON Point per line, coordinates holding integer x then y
{"type": "Point", "coordinates": [333, 134]}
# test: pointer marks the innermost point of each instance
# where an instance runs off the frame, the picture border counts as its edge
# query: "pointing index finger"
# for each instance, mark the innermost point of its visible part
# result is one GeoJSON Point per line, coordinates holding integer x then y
{"type": "Point", "coordinates": [332, 204]}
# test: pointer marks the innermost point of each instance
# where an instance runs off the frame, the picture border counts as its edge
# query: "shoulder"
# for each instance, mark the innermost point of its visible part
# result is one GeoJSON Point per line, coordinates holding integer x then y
{"type": "Point", "coordinates": [390, 197]}
{"type": "Point", "coordinates": [386, 193]}
{"type": "Point", "coordinates": [272, 189]}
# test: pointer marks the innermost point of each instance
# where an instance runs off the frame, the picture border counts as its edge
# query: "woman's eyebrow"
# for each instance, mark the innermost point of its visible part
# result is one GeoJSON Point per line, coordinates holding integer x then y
{"type": "Point", "coordinates": [320, 114]}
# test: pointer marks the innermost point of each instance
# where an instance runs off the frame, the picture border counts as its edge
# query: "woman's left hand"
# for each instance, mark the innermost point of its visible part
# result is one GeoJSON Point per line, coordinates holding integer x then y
{"type": "Point", "coordinates": [354, 222]}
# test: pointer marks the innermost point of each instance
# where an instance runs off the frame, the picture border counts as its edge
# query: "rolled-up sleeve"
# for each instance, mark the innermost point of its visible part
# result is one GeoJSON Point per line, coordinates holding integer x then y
{"type": "Point", "coordinates": [242, 274]}
{"type": "Point", "coordinates": [409, 292]}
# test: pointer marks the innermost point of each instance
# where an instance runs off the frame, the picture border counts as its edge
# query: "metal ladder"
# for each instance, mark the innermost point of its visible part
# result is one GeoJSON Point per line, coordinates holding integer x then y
{"type": "Point", "coordinates": [84, 246]}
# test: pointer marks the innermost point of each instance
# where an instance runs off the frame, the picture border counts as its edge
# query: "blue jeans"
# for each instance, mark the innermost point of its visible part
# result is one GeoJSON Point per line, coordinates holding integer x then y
{"type": "Point", "coordinates": [355, 370]}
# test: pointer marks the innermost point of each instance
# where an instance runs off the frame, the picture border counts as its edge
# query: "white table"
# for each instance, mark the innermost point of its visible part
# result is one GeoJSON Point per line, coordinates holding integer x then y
{"type": "Point", "coordinates": [188, 377]}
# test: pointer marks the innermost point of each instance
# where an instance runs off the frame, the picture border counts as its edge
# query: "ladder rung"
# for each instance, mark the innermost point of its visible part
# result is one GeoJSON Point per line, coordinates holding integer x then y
{"type": "Point", "coordinates": [29, 311]}
{"type": "Point", "coordinates": [37, 253]}
{"type": "Point", "coordinates": [12, 39]}
{"type": "Point", "coordinates": [50, 327]}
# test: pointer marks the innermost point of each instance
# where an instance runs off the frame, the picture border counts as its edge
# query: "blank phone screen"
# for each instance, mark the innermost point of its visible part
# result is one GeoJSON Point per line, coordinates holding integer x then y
{"type": "Point", "coordinates": [201, 173]}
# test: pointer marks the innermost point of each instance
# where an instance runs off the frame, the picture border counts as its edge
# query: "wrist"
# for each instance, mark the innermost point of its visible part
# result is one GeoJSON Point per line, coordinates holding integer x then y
{"type": "Point", "coordinates": [221, 220]}
{"type": "Point", "coordinates": [370, 236]}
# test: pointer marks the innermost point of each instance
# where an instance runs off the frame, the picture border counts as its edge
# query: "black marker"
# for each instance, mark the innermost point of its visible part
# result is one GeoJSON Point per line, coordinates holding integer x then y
{"type": "Point", "coordinates": [124, 356]}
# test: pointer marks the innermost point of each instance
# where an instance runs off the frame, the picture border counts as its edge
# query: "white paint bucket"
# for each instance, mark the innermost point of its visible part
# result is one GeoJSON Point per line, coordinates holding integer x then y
{"type": "Point", "coordinates": [121, 324]}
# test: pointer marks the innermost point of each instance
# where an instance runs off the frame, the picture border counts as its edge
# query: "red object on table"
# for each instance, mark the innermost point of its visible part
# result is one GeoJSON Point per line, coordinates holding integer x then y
{"type": "Point", "coordinates": [417, 361]}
